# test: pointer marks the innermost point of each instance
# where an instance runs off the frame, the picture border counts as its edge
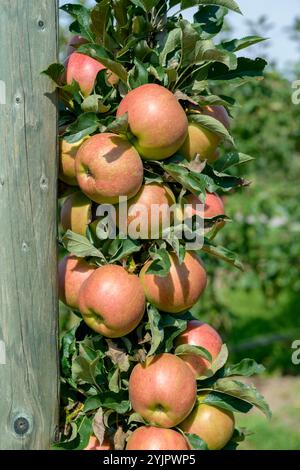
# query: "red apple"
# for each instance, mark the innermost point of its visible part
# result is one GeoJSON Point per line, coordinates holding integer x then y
{"type": "Point", "coordinates": [213, 207]}
{"type": "Point", "coordinates": [143, 208]}
{"type": "Point", "coordinates": [153, 438]}
{"type": "Point", "coordinates": [72, 272]}
{"type": "Point", "coordinates": [162, 390]}
{"type": "Point", "coordinates": [112, 301]}
{"type": "Point", "coordinates": [156, 120]}
{"type": "Point", "coordinates": [200, 142]}
{"type": "Point", "coordinates": [107, 167]}
{"type": "Point", "coordinates": [76, 213]}
{"type": "Point", "coordinates": [200, 334]}
{"type": "Point", "coordinates": [84, 70]}
{"type": "Point", "coordinates": [95, 445]}
{"type": "Point", "coordinates": [67, 154]}
{"type": "Point", "coordinates": [180, 289]}
{"type": "Point", "coordinates": [214, 425]}
{"type": "Point", "coordinates": [219, 113]}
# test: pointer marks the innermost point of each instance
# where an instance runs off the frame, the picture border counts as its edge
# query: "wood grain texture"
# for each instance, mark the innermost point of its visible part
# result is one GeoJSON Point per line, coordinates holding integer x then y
{"type": "Point", "coordinates": [28, 172]}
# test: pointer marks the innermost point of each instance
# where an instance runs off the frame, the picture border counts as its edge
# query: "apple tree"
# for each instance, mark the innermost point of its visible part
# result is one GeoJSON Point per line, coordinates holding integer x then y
{"type": "Point", "coordinates": [142, 83]}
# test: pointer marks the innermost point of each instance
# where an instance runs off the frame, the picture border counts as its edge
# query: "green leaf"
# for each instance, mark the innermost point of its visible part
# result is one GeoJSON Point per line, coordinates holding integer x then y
{"type": "Point", "coordinates": [119, 125]}
{"type": "Point", "coordinates": [199, 177]}
{"type": "Point", "coordinates": [244, 392]}
{"type": "Point", "coordinates": [199, 86]}
{"type": "Point", "coordinates": [103, 87]}
{"type": "Point", "coordinates": [222, 180]}
{"type": "Point", "coordinates": [142, 51]}
{"type": "Point", "coordinates": [174, 242]}
{"type": "Point", "coordinates": [83, 370]}
{"type": "Point", "coordinates": [80, 436]}
{"type": "Point", "coordinates": [231, 159]}
{"type": "Point", "coordinates": [95, 51]}
{"type": "Point", "coordinates": [118, 356]}
{"type": "Point", "coordinates": [136, 418]}
{"type": "Point", "coordinates": [146, 5]}
{"type": "Point", "coordinates": [213, 100]}
{"type": "Point", "coordinates": [171, 76]}
{"type": "Point", "coordinates": [81, 15]}
{"type": "Point", "coordinates": [152, 177]}
{"type": "Point", "coordinates": [230, 4]}
{"type": "Point", "coordinates": [210, 18]}
{"type": "Point", "coordinates": [130, 43]}
{"type": "Point", "coordinates": [99, 18]}
{"type": "Point", "coordinates": [84, 430]}
{"type": "Point", "coordinates": [185, 349]}
{"type": "Point", "coordinates": [220, 360]}
{"type": "Point", "coordinates": [94, 104]}
{"type": "Point", "coordinates": [123, 248]}
{"type": "Point", "coordinates": [138, 75]}
{"type": "Point", "coordinates": [172, 327]}
{"type": "Point", "coordinates": [161, 263]}
{"type": "Point", "coordinates": [222, 253]}
{"type": "Point", "coordinates": [217, 364]}
{"type": "Point", "coordinates": [115, 401]}
{"type": "Point", "coordinates": [91, 403]}
{"type": "Point", "coordinates": [246, 68]}
{"type": "Point", "coordinates": [70, 95]}
{"type": "Point", "coordinates": [189, 40]}
{"type": "Point", "coordinates": [227, 402]}
{"type": "Point", "coordinates": [172, 43]}
{"type": "Point", "coordinates": [157, 72]}
{"type": "Point", "coordinates": [55, 72]}
{"type": "Point", "coordinates": [67, 350]}
{"type": "Point", "coordinates": [109, 400]}
{"type": "Point", "coordinates": [212, 124]}
{"type": "Point", "coordinates": [98, 426]}
{"type": "Point", "coordinates": [157, 333]}
{"type": "Point", "coordinates": [195, 442]}
{"type": "Point", "coordinates": [86, 124]}
{"type": "Point", "coordinates": [246, 368]}
{"type": "Point", "coordinates": [216, 54]}
{"type": "Point", "coordinates": [239, 436]}
{"type": "Point", "coordinates": [80, 246]}
{"type": "Point", "coordinates": [113, 383]}
{"type": "Point", "coordinates": [196, 183]}
{"type": "Point", "coordinates": [238, 44]}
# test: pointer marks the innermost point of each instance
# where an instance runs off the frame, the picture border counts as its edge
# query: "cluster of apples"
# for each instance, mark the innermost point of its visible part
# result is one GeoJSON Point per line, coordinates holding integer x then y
{"type": "Point", "coordinates": [112, 300]}
{"type": "Point", "coordinates": [163, 391]}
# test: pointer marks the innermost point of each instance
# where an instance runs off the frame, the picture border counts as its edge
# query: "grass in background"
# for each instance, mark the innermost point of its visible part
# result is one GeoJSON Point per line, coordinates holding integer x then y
{"type": "Point", "coordinates": [283, 431]}
{"type": "Point", "coordinates": [262, 331]}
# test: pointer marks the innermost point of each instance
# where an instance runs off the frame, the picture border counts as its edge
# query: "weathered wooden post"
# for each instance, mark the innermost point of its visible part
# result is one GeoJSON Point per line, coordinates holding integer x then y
{"type": "Point", "coordinates": [28, 297]}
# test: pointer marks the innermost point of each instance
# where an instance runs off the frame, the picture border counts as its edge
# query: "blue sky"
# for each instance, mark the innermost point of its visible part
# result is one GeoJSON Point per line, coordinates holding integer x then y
{"type": "Point", "coordinates": [279, 13]}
